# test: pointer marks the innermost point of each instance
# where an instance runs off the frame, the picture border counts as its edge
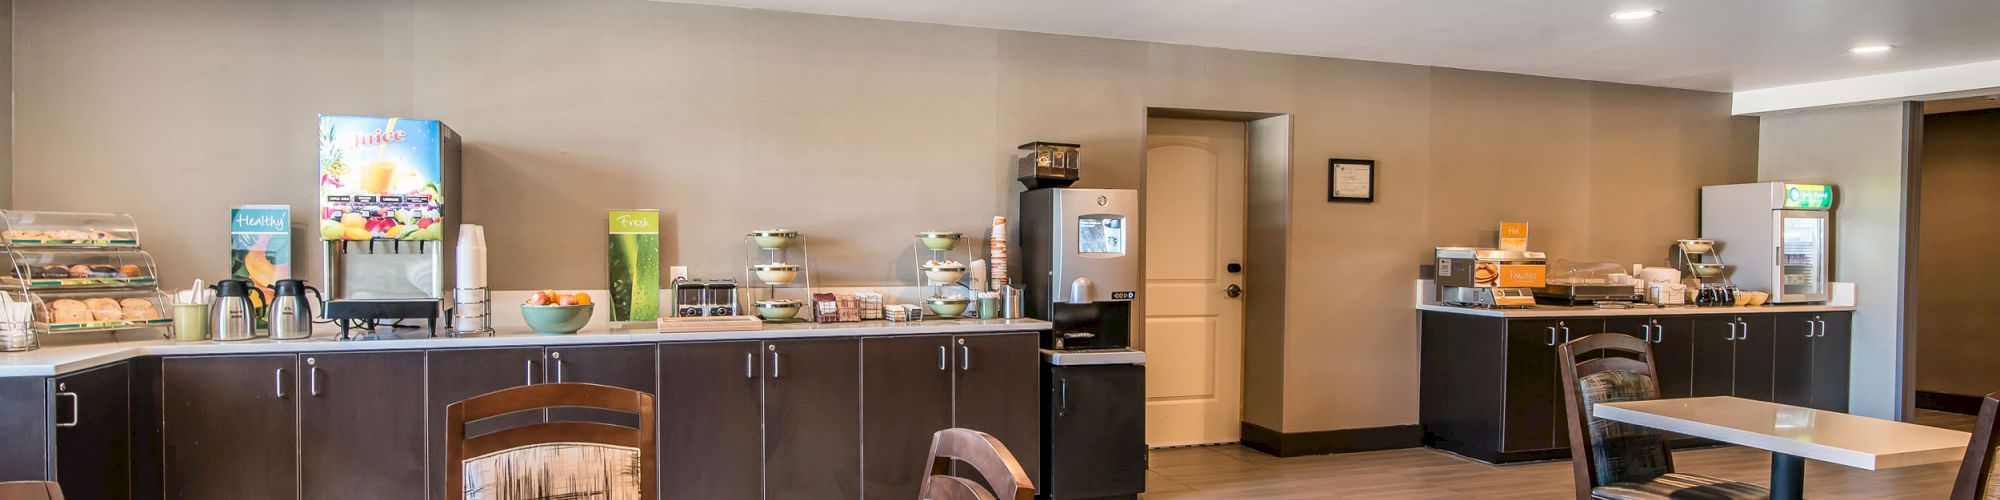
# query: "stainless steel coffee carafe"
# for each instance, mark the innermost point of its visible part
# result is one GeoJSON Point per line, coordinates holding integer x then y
{"type": "Point", "coordinates": [291, 314]}
{"type": "Point", "coordinates": [233, 316]}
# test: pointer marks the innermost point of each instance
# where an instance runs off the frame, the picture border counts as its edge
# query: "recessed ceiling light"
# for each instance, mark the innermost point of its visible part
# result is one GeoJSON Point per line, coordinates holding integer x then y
{"type": "Point", "coordinates": [1634, 15]}
{"type": "Point", "coordinates": [1871, 49]}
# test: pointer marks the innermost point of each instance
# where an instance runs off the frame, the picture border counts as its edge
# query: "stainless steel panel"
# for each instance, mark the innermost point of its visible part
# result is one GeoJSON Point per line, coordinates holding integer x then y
{"type": "Point", "coordinates": [1114, 275]}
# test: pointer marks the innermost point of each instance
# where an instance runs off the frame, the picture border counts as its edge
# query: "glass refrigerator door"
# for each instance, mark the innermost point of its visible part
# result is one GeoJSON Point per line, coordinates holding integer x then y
{"type": "Point", "coordinates": [1802, 253]}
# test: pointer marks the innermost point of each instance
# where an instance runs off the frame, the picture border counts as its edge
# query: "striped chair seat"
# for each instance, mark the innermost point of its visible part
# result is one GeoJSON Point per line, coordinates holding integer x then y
{"type": "Point", "coordinates": [1677, 486]}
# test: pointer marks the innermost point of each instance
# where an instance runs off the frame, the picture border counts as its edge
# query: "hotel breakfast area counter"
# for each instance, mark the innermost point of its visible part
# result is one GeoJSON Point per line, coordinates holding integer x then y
{"type": "Point", "coordinates": [58, 359]}
{"type": "Point", "coordinates": [783, 409]}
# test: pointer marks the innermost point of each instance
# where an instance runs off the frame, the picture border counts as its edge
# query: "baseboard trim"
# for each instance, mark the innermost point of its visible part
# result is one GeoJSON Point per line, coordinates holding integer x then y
{"type": "Point", "coordinates": [1294, 444]}
{"type": "Point", "coordinates": [1954, 403]}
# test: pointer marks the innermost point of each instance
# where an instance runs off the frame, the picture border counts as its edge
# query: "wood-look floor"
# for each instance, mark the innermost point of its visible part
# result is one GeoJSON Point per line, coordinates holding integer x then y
{"type": "Point", "coordinates": [1233, 471]}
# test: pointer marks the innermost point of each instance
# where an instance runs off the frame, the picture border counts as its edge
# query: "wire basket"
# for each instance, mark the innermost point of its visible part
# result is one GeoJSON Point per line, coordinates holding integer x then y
{"type": "Point", "coordinates": [17, 336]}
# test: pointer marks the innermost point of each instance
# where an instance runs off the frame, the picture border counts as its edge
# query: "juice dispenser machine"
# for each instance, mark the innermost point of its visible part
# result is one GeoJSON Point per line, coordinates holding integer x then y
{"type": "Point", "coordinates": [388, 208]}
{"type": "Point", "coordinates": [1080, 271]}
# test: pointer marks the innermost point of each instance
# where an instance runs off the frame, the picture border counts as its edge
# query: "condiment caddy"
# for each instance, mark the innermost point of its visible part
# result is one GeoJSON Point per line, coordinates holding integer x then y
{"type": "Point", "coordinates": [77, 272]}
{"type": "Point", "coordinates": [774, 268]}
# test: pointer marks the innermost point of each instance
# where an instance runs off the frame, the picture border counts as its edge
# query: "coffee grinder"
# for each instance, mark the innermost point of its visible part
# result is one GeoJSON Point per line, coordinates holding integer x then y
{"type": "Point", "coordinates": [1079, 264]}
{"type": "Point", "coordinates": [389, 213]}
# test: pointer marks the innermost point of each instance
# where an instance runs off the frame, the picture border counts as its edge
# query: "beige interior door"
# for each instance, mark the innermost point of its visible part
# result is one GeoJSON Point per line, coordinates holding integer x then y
{"type": "Point", "coordinates": [1194, 207]}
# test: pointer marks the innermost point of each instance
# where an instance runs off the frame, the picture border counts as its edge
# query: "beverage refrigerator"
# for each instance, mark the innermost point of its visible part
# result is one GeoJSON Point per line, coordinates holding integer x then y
{"type": "Point", "coordinates": [1773, 236]}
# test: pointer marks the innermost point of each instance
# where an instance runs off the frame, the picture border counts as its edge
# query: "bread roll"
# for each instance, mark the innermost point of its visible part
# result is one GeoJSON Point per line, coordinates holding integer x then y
{"type": "Point", "coordinates": [136, 309]}
{"type": "Point", "coordinates": [60, 316]}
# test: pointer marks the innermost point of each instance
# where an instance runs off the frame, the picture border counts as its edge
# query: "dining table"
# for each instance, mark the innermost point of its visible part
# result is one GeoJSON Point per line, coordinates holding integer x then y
{"type": "Point", "coordinates": [1794, 434]}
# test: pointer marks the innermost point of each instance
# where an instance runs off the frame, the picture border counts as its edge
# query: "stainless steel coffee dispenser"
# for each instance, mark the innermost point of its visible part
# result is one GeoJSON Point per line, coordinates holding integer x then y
{"type": "Point", "coordinates": [1080, 264]}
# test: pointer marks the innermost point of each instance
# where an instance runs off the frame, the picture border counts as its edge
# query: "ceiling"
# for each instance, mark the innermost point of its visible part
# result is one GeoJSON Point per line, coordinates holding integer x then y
{"type": "Point", "coordinates": [1719, 45]}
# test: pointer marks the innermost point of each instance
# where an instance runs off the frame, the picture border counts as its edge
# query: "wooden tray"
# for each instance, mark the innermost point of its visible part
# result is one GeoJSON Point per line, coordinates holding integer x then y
{"type": "Point", "coordinates": [710, 324]}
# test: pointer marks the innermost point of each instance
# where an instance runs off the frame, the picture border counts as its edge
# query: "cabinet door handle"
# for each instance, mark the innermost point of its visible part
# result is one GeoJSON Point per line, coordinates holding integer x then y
{"type": "Point", "coordinates": [1647, 335]}
{"type": "Point", "coordinates": [312, 381]}
{"type": "Point", "coordinates": [528, 372]}
{"type": "Point", "coordinates": [1810, 327]}
{"type": "Point", "coordinates": [1822, 328]}
{"type": "Point", "coordinates": [1565, 334]}
{"type": "Point", "coordinates": [942, 362]}
{"type": "Point", "coordinates": [1552, 335]}
{"type": "Point", "coordinates": [775, 364]}
{"type": "Point", "coordinates": [1064, 392]}
{"type": "Point", "coordinates": [749, 365]}
{"type": "Point", "coordinates": [278, 380]}
{"type": "Point", "coordinates": [1732, 332]}
{"type": "Point", "coordinates": [555, 358]}
{"type": "Point", "coordinates": [75, 409]}
{"type": "Point", "coordinates": [964, 358]}
{"type": "Point", "coordinates": [1659, 331]}
{"type": "Point", "coordinates": [1746, 329]}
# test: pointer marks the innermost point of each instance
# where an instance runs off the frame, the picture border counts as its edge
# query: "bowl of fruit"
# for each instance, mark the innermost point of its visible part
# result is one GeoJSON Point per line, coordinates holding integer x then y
{"type": "Point", "coordinates": [555, 313]}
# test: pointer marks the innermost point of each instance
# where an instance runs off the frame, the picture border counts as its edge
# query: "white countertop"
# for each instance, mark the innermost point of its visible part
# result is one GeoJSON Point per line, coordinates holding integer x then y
{"type": "Point", "coordinates": [1850, 440]}
{"type": "Point", "coordinates": [57, 360]}
{"type": "Point", "coordinates": [1541, 311]}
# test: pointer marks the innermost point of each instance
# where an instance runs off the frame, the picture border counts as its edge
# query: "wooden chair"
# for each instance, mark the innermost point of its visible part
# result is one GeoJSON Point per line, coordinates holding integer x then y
{"type": "Point", "coordinates": [1975, 475]}
{"type": "Point", "coordinates": [984, 454]}
{"type": "Point", "coordinates": [30, 490]}
{"type": "Point", "coordinates": [1620, 461]}
{"type": "Point", "coordinates": [594, 459]}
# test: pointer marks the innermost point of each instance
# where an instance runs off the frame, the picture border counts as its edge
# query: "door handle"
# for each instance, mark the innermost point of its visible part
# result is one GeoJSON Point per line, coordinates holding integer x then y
{"type": "Point", "coordinates": [1732, 332]}
{"type": "Point", "coordinates": [529, 370]}
{"type": "Point", "coordinates": [1746, 329]}
{"type": "Point", "coordinates": [749, 365]}
{"type": "Point", "coordinates": [775, 364]}
{"type": "Point", "coordinates": [1659, 332]}
{"type": "Point", "coordinates": [964, 357]}
{"type": "Point", "coordinates": [1552, 336]}
{"type": "Point", "coordinates": [1822, 328]}
{"type": "Point", "coordinates": [1810, 327]}
{"type": "Point", "coordinates": [75, 406]}
{"type": "Point", "coordinates": [1565, 334]}
{"type": "Point", "coordinates": [312, 376]}
{"type": "Point", "coordinates": [278, 381]}
{"type": "Point", "coordinates": [941, 358]}
{"type": "Point", "coordinates": [555, 358]}
{"type": "Point", "coordinates": [1648, 335]}
{"type": "Point", "coordinates": [1063, 407]}
{"type": "Point", "coordinates": [1232, 291]}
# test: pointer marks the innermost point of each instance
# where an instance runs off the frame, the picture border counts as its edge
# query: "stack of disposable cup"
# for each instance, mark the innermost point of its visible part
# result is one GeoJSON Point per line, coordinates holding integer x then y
{"type": "Point", "coordinates": [996, 275]}
{"type": "Point", "coordinates": [472, 302]}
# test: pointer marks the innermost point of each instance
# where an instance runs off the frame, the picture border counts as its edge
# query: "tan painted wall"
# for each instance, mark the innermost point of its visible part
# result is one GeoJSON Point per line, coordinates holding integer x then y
{"type": "Point", "coordinates": [857, 132]}
{"type": "Point", "coordinates": [1860, 151]}
{"type": "Point", "coordinates": [1957, 351]}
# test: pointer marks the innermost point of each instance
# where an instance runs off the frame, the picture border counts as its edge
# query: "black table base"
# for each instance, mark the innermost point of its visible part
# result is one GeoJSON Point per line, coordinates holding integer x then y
{"type": "Point", "coordinates": [1788, 477]}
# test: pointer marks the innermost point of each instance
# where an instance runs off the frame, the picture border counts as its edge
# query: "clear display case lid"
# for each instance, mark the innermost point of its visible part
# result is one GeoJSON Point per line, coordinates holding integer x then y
{"type": "Point", "coordinates": [1583, 272]}
{"type": "Point", "coordinates": [26, 228]}
{"type": "Point", "coordinates": [51, 268]}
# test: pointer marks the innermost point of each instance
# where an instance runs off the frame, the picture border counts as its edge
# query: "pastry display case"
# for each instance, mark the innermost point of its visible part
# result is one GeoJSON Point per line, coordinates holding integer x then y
{"type": "Point", "coordinates": [78, 272]}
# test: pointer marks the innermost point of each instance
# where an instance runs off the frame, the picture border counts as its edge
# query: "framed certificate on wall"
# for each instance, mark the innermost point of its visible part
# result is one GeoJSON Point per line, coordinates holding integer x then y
{"type": "Point", "coordinates": [1350, 180]}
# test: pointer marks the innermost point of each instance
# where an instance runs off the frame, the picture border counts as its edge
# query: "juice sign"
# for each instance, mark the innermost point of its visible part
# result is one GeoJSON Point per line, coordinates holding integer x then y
{"type": "Point", "coordinates": [379, 178]}
{"type": "Point", "coordinates": [1812, 196]}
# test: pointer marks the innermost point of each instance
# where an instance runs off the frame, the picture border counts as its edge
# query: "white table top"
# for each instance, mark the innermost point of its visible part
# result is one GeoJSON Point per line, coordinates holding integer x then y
{"type": "Point", "coordinates": [1851, 440]}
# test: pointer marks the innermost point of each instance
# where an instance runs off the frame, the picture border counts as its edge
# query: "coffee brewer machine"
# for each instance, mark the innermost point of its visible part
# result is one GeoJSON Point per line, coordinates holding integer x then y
{"type": "Point", "coordinates": [1080, 270]}
{"type": "Point", "coordinates": [389, 213]}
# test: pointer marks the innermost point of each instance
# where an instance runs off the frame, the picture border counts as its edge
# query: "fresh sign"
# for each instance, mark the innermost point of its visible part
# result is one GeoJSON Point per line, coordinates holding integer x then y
{"type": "Point", "coordinates": [1815, 196]}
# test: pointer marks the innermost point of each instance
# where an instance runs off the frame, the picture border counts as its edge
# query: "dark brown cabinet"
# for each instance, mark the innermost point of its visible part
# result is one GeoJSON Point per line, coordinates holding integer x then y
{"type": "Point", "coordinates": [361, 425]}
{"type": "Point", "coordinates": [812, 407]}
{"type": "Point", "coordinates": [93, 430]}
{"type": "Point", "coordinates": [906, 395]}
{"type": "Point", "coordinates": [1490, 387]}
{"type": "Point", "coordinates": [457, 374]}
{"type": "Point", "coordinates": [230, 427]}
{"type": "Point", "coordinates": [1733, 355]}
{"type": "Point", "coordinates": [997, 390]}
{"type": "Point", "coordinates": [711, 420]}
{"type": "Point", "coordinates": [628, 366]}
{"type": "Point", "coordinates": [1811, 363]}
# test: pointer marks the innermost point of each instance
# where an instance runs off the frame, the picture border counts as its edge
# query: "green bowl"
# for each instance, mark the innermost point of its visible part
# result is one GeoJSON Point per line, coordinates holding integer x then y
{"type": "Point", "coordinates": [556, 320]}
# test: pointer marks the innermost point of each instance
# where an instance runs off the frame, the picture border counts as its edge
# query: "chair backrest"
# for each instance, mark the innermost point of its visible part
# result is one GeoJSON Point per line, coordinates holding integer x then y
{"type": "Point", "coordinates": [595, 459]}
{"type": "Point", "coordinates": [1976, 480]}
{"type": "Point", "coordinates": [1603, 451]}
{"type": "Point", "coordinates": [30, 490]}
{"type": "Point", "coordinates": [986, 455]}
{"type": "Point", "coordinates": [954, 488]}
